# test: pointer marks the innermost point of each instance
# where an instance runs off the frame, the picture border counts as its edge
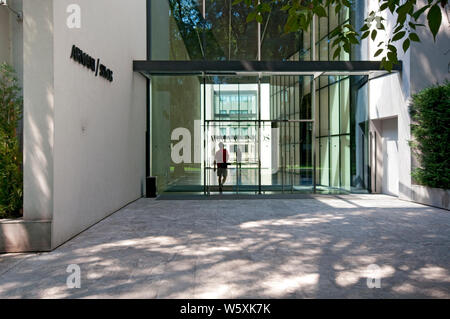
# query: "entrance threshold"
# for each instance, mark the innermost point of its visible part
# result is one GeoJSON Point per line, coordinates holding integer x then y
{"type": "Point", "coordinates": [251, 195]}
{"type": "Point", "coordinates": [168, 196]}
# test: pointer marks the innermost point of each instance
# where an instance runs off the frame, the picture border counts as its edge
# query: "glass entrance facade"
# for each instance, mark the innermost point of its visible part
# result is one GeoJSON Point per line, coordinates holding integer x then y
{"type": "Point", "coordinates": [280, 136]}
{"type": "Point", "coordinates": [284, 132]}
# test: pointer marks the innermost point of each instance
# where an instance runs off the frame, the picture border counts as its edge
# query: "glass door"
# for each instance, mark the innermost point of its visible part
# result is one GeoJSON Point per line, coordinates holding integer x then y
{"type": "Point", "coordinates": [240, 143]}
{"type": "Point", "coordinates": [231, 125]}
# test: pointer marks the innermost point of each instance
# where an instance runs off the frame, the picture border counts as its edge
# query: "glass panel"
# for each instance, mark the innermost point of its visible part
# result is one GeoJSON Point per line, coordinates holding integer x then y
{"type": "Point", "coordinates": [334, 109]}
{"type": "Point", "coordinates": [176, 136]}
{"type": "Point", "coordinates": [276, 45]}
{"type": "Point", "coordinates": [217, 30]}
{"type": "Point", "coordinates": [231, 112]}
{"type": "Point", "coordinates": [240, 142]}
{"type": "Point", "coordinates": [232, 38]}
{"type": "Point", "coordinates": [333, 18]}
{"type": "Point", "coordinates": [323, 113]}
{"type": "Point", "coordinates": [175, 30]}
{"type": "Point", "coordinates": [345, 105]}
{"type": "Point", "coordinates": [286, 98]}
{"type": "Point", "coordinates": [324, 162]}
{"type": "Point", "coordinates": [359, 132]}
{"type": "Point", "coordinates": [345, 162]}
{"type": "Point", "coordinates": [231, 98]}
{"type": "Point", "coordinates": [335, 162]}
{"type": "Point", "coordinates": [342, 108]}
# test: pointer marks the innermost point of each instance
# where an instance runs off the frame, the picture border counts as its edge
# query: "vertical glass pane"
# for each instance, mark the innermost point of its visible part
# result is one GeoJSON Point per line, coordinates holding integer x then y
{"type": "Point", "coordinates": [334, 162]}
{"type": "Point", "coordinates": [359, 132]}
{"type": "Point", "coordinates": [334, 109]}
{"type": "Point", "coordinates": [323, 54]}
{"type": "Point", "coordinates": [176, 136]}
{"type": "Point", "coordinates": [324, 162]}
{"type": "Point", "coordinates": [333, 18]}
{"type": "Point", "coordinates": [344, 15]}
{"type": "Point", "coordinates": [176, 30]}
{"type": "Point", "coordinates": [240, 140]}
{"type": "Point", "coordinates": [290, 98]}
{"type": "Point", "coordinates": [231, 110]}
{"type": "Point", "coordinates": [230, 36]}
{"type": "Point", "coordinates": [276, 45]}
{"type": "Point", "coordinates": [345, 162]}
{"type": "Point", "coordinates": [317, 113]}
{"type": "Point", "coordinates": [323, 114]}
{"type": "Point", "coordinates": [345, 106]}
{"type": "Point", "coordinates": [292, 101]}
{"type": "Point", "coordinates": [323, 28]}
{"type": "Point", "coordinates": [305, 51]}
{"type": "Point", "coordinates": [298, 95]}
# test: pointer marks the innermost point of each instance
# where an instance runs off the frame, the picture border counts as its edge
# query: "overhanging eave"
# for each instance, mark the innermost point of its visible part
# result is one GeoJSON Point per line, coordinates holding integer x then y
{"type": "Point", "coordinates": [149, 68]}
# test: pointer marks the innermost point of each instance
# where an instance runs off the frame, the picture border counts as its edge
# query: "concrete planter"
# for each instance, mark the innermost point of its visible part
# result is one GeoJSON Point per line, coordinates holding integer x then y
{"type": "Point", "coordinates": [18, 235]}
{"type": "Point", "coordinates": [436, 197]}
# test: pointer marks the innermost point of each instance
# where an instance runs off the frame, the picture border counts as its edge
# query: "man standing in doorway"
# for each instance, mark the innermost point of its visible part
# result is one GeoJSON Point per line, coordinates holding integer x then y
{"type": "Point", "coordinates": [221, 160]}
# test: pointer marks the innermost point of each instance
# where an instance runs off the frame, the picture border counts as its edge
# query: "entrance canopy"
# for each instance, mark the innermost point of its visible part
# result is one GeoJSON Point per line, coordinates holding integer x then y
{"type": "Point", "coordinates": [316, 68]}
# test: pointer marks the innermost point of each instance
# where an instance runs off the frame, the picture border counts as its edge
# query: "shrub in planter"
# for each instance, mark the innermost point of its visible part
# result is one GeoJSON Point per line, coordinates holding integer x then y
{"type": "Point", "coordinates": [430, 113]}
{"type": "Point", "coordinates": [11, 182]}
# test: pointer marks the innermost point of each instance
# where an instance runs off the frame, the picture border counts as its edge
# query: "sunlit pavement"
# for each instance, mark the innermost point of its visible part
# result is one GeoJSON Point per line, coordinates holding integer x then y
{"type": "Point", "coordinates": [319, 247]}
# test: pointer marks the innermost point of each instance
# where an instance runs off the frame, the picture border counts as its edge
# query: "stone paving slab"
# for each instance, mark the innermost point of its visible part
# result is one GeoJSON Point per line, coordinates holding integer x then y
{"type": "Point", "coordinates": [317, 247]}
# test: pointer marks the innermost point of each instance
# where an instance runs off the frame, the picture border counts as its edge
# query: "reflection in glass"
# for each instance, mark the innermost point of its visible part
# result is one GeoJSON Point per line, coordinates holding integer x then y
{"type": "Point", "coordinates": [218, 30]}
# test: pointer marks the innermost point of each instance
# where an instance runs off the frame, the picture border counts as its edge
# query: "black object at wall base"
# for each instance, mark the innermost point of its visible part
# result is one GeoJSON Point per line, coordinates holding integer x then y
{"type": "Point", "coordinates": [150, 187]}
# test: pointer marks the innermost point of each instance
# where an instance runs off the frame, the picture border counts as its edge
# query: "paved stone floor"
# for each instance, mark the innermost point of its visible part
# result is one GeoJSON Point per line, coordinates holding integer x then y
{"type": "Point", "coordinates": [319, 247]}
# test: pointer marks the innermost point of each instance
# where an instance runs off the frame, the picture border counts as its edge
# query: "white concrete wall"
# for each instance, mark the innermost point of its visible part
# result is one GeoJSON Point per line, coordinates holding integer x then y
{"type": "Point", "coordinates": [430, 60]}
{"type": "Point", "coordinates": [426, 63]}
{"type": "Point", "coordinates": [99, 149]}
{"type": "Point", "coordinates": [38, 109]}
{"type": "Point", "coordinates": [389, 96]}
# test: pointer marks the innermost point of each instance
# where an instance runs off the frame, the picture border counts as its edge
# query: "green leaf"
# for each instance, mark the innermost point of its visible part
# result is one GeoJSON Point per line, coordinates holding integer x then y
{"type": "Point", "coordinates": [320, 11]}
{"type": "Point", "coordinates": [384, 6]}
{"type": "Point", "coordinates": [414, 37]}
{"type": "Point", "coordinates": [398, 36]}
{"type": "Point", "coordinates": [365, 28]}
{"type": "Point", "coordinates": [251, 16]}
{"type": "Point", "coordinates": [374, 35]}
{"type": "Point", "coordinates": [434, 19]}
{"type": "Point", "coordinates": [353, 39]}
{"type": "Point", "coordinates": [406, 45]}
{"type": "Point", "coordinates": [378, 52]}
{"type": "Point", "coordinates": [365, 35]}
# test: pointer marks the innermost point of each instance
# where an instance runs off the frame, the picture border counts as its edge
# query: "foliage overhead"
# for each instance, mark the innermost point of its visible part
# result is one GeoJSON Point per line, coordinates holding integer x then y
{"type": "Point", "coordinates": [11, 189]}
{"type": "Point", "coordinates": [408, 14]}
{"type": "Point", "coordinates": [430, 112]}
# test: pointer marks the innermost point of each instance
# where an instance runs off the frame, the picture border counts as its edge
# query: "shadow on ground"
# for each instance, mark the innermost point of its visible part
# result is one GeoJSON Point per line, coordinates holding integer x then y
{"type": "Point", "coordinates": [318, 247]}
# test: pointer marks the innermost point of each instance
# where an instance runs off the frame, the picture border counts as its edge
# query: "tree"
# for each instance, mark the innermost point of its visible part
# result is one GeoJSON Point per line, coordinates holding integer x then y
{"type": "Point", "coordinates": [408, 13]}
{"type": "Point", "coordinates": [10, 155]}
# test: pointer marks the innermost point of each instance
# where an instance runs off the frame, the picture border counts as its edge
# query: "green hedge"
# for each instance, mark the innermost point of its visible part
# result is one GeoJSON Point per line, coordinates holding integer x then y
{"type": "Point", "coordinates": [11, 181]}
{"type": "Point", "coordinates": [430, 114]}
